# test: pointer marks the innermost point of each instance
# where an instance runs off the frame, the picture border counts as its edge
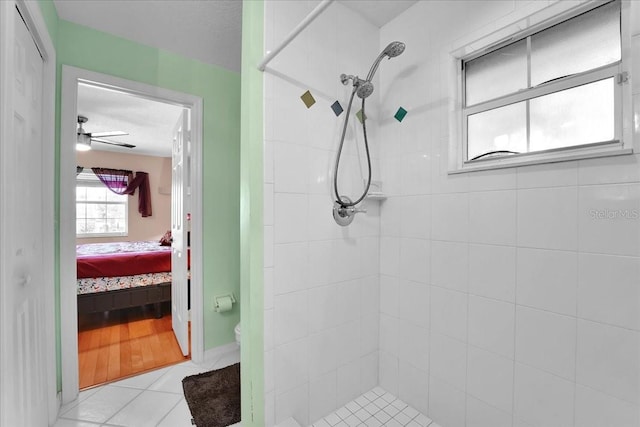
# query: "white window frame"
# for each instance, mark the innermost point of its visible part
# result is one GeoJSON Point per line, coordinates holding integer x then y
{"type": "Point", "coordinates": [545, 18]}
{"type": "Point", "coordinates": [87, 176]}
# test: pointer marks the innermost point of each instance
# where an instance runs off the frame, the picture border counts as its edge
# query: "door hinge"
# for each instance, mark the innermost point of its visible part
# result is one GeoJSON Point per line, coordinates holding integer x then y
{"type": "Point", "coordinates": [622, 77]}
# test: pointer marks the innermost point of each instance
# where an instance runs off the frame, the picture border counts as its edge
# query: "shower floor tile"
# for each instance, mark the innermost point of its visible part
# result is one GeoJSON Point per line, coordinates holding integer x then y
{"type": "Point", "coordinates": [375, 408]}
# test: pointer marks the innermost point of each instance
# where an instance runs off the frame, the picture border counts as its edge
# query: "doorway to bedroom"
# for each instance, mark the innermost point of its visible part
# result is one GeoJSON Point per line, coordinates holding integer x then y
{"type": "Point", "coordinates": [135, 151]}
{"type": "Point", "coordinates": [125, 210]}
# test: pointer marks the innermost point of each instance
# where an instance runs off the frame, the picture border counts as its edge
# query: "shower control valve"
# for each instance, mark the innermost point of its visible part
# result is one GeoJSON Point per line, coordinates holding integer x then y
{"type": "Point", "coordinates": [343, 215]}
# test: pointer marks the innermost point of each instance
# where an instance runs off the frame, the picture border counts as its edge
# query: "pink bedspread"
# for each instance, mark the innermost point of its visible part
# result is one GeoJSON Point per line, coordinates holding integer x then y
{"type": "Point", "coordinates": [122, 259]}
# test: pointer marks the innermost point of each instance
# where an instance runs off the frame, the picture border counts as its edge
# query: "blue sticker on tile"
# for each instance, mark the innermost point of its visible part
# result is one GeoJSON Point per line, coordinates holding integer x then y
{"type": "Point", "coordinates": [400, 114]}
{"type": "Point", "coordinates": [337, 108]}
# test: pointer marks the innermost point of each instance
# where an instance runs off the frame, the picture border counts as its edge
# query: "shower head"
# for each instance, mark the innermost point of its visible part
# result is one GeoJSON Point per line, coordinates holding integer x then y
{"type": "Point", "coordinates": [364, 90]}
{"type": "Point", "coordinates": [392, 50]}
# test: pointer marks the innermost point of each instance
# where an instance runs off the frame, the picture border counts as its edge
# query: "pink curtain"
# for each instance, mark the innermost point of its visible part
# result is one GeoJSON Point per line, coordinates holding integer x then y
{"type": "Point", "coordinates": [116, 180]}
{"type": "Point", "coordinates": [122, 182]}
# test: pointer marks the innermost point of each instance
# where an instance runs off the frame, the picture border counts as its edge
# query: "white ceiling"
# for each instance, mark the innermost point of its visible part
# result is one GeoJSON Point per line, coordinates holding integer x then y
{"type": "Point", "coordinates": [207, 30]}
{"type": "Point", "coordinates": [149, 123]}
{"type": "Point", "coordinates": [379, 12]}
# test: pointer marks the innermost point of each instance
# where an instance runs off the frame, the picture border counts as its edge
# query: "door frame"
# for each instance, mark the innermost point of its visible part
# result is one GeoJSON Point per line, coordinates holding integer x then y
{"type": "Point", "coordinates": [36, 25]}
{"type": "Point", "coordinates": [71, 76]}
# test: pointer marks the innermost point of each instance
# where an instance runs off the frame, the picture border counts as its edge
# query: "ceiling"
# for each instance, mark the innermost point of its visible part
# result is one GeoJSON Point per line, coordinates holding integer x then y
{"type": "Point", "coordinates": [149, 123]}
{"type": "Point", "coordinates": [378, 12]}
{"type": "Point", "coordinates": [206, 30]}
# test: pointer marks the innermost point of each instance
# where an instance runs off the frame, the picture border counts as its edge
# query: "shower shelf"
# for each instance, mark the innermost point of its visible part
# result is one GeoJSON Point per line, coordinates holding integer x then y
{"type": "Point", "coordinates": [376, 196]}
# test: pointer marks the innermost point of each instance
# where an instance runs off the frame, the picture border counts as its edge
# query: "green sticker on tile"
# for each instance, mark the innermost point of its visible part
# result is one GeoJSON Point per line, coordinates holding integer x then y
{"type": "Point", "coordinates": [361, 116]}
{"type": "Point", "coordinates": [400, 114]}
{"type": "Point", "coordinates": [308, 99]}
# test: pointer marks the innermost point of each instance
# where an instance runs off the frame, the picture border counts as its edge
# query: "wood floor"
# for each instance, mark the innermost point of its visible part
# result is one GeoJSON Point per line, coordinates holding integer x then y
{"type": "Point", "coordinates": [122, 343]}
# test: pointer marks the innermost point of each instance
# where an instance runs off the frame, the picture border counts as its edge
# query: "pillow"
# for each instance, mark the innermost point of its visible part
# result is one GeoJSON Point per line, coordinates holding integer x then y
{"type": "Point", "coordinates": [165, 240]}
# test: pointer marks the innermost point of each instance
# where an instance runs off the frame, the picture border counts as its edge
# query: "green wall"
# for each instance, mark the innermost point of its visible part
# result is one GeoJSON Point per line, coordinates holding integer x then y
{"type": "Point", "coordinates": [93, 50]}
{"type": "Point", "coordinates": [252, 182]}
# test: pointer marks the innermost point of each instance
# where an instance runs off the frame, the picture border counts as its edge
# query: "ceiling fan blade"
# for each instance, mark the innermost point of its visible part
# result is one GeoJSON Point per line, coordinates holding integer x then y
{"type": "Point", "coordinates": [108, 134]}
{"type": "Point", "coordinates": [119, 144]}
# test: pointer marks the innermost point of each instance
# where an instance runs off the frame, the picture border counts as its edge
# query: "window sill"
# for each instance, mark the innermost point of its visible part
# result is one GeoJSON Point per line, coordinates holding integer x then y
{"type": "Point", "coordinates": [543, 157]}
{"type": "Point", "coordinates": [97, 235]}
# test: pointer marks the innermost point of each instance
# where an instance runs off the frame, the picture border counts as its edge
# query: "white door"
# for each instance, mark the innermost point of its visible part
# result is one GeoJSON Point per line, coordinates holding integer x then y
{"type": "Point", "coordinates": [24, 379]}
{"type": "Point", "coordinates": [179, 255]}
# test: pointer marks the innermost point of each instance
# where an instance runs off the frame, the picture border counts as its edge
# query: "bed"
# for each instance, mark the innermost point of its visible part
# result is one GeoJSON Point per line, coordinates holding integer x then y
{"type": "Point", "coordinates": [118, 275]}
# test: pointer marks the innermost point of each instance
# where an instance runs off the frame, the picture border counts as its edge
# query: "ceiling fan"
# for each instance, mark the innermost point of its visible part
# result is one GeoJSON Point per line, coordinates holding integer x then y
{"type": "Point", "coordinates": [84, 138]}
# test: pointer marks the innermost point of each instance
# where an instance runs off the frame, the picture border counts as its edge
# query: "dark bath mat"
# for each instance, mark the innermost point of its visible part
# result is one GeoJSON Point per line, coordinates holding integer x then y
{"type": "Point", "coordinates": [214, 397]}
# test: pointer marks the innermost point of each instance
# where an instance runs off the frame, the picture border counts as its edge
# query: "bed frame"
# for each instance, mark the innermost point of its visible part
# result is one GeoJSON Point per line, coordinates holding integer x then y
{"type": "Point", "coordinates": [126, 298]}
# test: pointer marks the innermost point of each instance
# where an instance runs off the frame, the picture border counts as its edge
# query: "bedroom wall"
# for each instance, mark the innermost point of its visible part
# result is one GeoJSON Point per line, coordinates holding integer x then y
{"type": "Point", "coordinates": [93, 50]}
{"type": "Point", "coordinates": [149, 228]}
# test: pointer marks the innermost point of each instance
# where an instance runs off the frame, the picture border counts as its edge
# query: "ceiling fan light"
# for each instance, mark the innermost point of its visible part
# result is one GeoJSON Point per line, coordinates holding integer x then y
{"type": "Point", "coordinates": [83, 142]}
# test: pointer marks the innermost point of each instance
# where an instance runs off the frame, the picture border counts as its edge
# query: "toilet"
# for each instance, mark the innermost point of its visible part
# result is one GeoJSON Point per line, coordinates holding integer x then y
{"type": "Point", "coordinates": [237, 332]}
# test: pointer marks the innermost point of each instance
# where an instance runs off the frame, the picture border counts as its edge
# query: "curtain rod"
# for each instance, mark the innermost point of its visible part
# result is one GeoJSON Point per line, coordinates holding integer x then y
{"type": "Point", "coordinates": [292, 35]}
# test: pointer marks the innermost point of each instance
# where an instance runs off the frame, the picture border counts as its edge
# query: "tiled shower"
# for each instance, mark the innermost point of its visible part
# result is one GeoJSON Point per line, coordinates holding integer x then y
{"type": "Point", "coordinates": [491, 298]}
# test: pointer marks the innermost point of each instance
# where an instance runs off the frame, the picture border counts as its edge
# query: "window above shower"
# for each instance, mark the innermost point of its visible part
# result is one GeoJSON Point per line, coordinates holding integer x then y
{"type": "Point", "coordinates": [556, 90]}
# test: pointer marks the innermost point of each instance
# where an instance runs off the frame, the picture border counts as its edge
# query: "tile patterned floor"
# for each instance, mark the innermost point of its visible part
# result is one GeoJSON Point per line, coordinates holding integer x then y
{"type": "Point", "coordinates": [153, 399]}
{"type": "Point", "coordinates": [374, 409]}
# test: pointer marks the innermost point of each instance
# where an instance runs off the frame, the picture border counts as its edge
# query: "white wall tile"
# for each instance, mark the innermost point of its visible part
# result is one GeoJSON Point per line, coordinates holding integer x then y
{"type": "Point", "coordinates": [322, 396]}
{"type": "Point", "coordinates": [291, 165]}
{"type": "Point", "coordinates": [479, 414]}
{"type": "Point", "coordinates": [446, 403]}
{"type": "Point", "coordinates": [547, 218]}
{"type": "Point", "coordinates": [608, 360]}
{"type": "Point", "coordinates": [608, 290]}
{"type": "Point", "coordinates": [389, 295]}
{"type": "Point", "coordinates": [414, 302]}
{"type": "Point", "coordinates": [290, 365]}
{"type": "Point", "coordinates": [389, 334]}
{"type": "Point", "coordinates": [542, 399]}
{"type": "Point", "coordinates": [369, 366]}
{"type": "Point", "coordinates": [492, 271]}
{"type": "Point", "coordinates": [490, 378]}
{"type": "Point", "coordinates": [413, 344]}
{"type": "Point", "coordinates": [492, 217]}
{"type": "Point", "coordinates": [547, 280]}
{"type": "Point", "coordinates": [448, 360]}
{"type": "Point", "coordinates": [415, 216]}
{"type": "Point", "coordinates": [560, 174]}
{"type": "Point", "coordinates": [491, 325]}
{"type": "Point", "coordinates": [498, 179]}
{"type": "Point", "coordinates": [391, 219]}
{"type": "Point", "coordinates": [450, 217]}
{"type": "Point", "coordinates": [414, 387]}
{"type": "Point", "coordinates": [390, 256]}
{"type": "Point", "coordinates": [291, 267]}
{"type": "Point", "coordinates": [268, 204]}
{"type": "Point", "coordinates": [322, 357]}
{"type": "Point", "coordinates": [414, 260]}
{"type": "Point", "coordinates": [595, 409]}
{"type": "Point", "coordinates": [450, 262]}
{"type": "Point", "coordinates": [291, 319]}
{"type": "Point", "coordinates": [449, 313]}
{"type": "Point", "coordinates": [293, 403]}
{"type": "Point", "coordinates": [609, 170]}
{"type": "Point", "coordinates": [320, 221]}
{"type": "Point", "coordinates": [609, 219]}
{"type": "Point", "coordinates": [389, 372]}
{"type": "Point", "coordinates": [290, 217]}
{"type": "Point", "coordinates": [546, 341]}
{"type": "Point", "coordinates": [320, 262]}
{"type": "Point", "coordinates": [348, 381]}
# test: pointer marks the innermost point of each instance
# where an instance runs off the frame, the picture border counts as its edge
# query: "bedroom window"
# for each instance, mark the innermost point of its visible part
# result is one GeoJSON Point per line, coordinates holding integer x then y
{"type": "Point", "coordinates": [99, 211]}
{"type": "Point", "coordinates": [545, 94]}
